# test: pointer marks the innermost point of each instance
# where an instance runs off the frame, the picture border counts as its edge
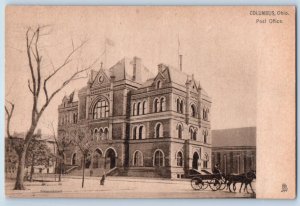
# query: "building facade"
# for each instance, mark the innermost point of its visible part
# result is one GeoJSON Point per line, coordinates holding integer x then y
{"type": "Point", "coordinates": [139, 124]}
{"type": "Point", "coordinates": [234, 149]}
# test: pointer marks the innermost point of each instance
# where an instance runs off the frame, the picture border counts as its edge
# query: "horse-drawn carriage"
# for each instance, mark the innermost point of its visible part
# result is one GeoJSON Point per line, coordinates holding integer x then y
{"type": "Point", "coordinates": [201, 180]}
{"type": "Point", "coordinates": [218, 181]}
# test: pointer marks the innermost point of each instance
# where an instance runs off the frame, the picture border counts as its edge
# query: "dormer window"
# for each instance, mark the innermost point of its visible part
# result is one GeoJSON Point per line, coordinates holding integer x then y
{"type": "Point", "coordinates": [158, 85]}
{"type": "Point", "coordinates": [193, 110]}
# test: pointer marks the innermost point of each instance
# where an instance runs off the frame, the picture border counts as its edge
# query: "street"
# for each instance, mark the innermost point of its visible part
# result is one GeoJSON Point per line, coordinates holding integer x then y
{"type": "Point", "coordinates": [119, 187]}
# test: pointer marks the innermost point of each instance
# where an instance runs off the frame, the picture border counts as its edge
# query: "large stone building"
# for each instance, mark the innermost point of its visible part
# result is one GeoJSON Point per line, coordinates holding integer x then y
{"type": "Point", "coordinates": [140, 124]}
{"type": "Point", "coordinates": [234, 149]}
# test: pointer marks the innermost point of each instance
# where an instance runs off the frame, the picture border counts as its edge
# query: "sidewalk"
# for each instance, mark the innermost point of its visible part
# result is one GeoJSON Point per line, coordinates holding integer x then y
{"type": "Point", "coordinates": [118, 187]}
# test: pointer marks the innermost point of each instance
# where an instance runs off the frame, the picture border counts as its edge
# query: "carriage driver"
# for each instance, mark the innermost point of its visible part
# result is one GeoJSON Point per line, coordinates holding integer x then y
{"type": "Point", "coordinates": [216, 169]}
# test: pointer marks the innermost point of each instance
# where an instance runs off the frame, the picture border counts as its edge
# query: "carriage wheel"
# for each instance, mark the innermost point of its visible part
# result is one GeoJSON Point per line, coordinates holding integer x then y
{"type": "Point", "coordinates": [223, 184]}
{"type": "Point", "coordinates": [204, 185]}
{"type": "Point", "coordinates": [196, 183]}
{"type": "Point", "coordinates": [214, 184]}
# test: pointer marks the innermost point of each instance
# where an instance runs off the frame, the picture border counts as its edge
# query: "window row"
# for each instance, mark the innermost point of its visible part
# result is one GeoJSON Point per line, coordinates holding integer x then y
{"type": "Point", "coordinates": [139, 108]}
{"type": "Point", "coordinates": [192, 132]}
{"type": "Point", "coordinates": [71, 118]}
{"type": "Point", "coordinates": [193, 109]}
{"type": "Point", "coordinates": [139, 132]}
{"type": "Point", "coordinates": [158, 159]}
{"type": "Point", "coordinates": [100, 134]}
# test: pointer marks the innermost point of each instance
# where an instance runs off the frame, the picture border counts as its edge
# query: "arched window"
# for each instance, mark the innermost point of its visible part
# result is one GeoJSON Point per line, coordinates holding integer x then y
{"type": "Point", "coordinates": [141, 132]}
{"type": "Point", "coordinates": [179, 128]}
{"type": "Point", "coordinates": [144, 107]}
{"type": "Point", "coordinates": [101, 134]}
{"type": "Point", "coordinates": [138, 108]}
{"type": "Point", "coordinates": [76, 118]}
{"type": "Point", "coordinates": [179, 104]}
{"type": "Point", "coordinates": [205, 135]}
{"type": "Point", "coordinates": [205, 114]}
{"type": "Point", "coordinates": [134, 109]}
{"type": "Point", "coordinates": [134, 132]}
{"type": "Point", "coordinates": [105, 133]}
{"type": "Point", "coordinates": [162, 104]}
{"type": "Point", "coordinates": [179, 157]}
{"type": "Point", "coordinates": [74, 159]}
{"type": "Point", "coordinates": [158, 85]}
{"type": "Point", "coordinates": [95, 134]}
{"type": "Point", "coordinates": [159, 159]}
{"type": "Point", "coordinates": [156, 105]}
{"type": "Point", "coordinates": [158, 130]}
{"type": "Point", "coordinates": [101, 109]}
{"type": "Point", "coordinates": [193, 110]}
{"type": "Point", "coordinates": [193, 133]}
{"type": "Point", "coordinates": [205, 161]}
{"type": "Point", "coordinates": [137, 159]}
{"type": "Point", "coordinates": [181, 107]}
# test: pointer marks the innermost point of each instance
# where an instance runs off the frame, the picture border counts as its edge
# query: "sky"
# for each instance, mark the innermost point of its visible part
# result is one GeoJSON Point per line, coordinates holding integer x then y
{"type": "Point", "coordinates": [222, 50]}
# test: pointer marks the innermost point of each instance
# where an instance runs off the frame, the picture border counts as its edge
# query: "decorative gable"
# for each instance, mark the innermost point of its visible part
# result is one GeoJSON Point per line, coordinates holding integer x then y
{"type": "Point", "coordinates": [194, 87]}
{"type": "Point", "coordinates": [159, 80]}
{"type": "Point", "coordinates": [100, 79]}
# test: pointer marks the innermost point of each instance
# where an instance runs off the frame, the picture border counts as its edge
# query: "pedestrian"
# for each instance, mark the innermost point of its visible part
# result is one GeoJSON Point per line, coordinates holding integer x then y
{"type": "Point", "coordinates": [102, 179]}
{"type": "Point", "coordinates": [216, 169]}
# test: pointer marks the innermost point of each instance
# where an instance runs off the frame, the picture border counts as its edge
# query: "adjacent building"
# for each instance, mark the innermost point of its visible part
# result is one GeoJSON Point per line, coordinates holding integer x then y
{"type": "Point", "coordinates": [139, 124]}
{"type": "Point", "coordinates": [234, 149]}
{"type": "Point", "coordinates": [11, 156]}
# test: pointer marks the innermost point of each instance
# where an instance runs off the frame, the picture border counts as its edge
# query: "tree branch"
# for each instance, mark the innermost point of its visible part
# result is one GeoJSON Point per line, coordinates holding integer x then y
{"type": "Point", "coordinates": [30, 89]}
{"type": "Point", "coordinates": [49, 98]}
{"type": "Point", "coordinates": [66, 61]}
{"type": "Point", "coordinates": [9, 114]}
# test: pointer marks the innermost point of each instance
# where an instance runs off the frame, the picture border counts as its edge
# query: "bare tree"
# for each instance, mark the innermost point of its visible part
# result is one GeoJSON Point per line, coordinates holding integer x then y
{"type": "Point", "coordinates": [38, 154]}
{"type": "Point", "coordinates": [37, 84]}
{"type": "Point", "coordinates": [62, 142]}
{"type": "Point", "coordinates": [81, 139]}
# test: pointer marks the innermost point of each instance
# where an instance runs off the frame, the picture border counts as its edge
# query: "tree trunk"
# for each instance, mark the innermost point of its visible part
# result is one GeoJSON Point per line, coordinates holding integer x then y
{"type": "Point", "coordinates": [19, 185]}
{"type": "Point", "coordinates": [32, 168]}
{"type": "Point", "coordinates": [60, 170]}
{"type": "Point", "coordinates": [83, 168]}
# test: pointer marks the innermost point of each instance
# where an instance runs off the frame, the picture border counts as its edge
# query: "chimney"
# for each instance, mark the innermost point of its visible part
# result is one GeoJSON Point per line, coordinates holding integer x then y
{"type": "Point", "coordinates": [137, 69]}
{"type": "Point", "coordinates": [180, 62]}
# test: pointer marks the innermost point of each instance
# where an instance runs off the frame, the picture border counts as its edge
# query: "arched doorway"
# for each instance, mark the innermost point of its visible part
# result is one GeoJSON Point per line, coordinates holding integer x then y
{"type": "Point", "coordinates": [110, 158]}
{"type": "Point", "coordinates": [97, 158]}
{"type": "Point", "coordinates": [88, 161]}
{"type": "Point", "coordinates": [73, 162]}
{"type": "Point", "coordinates": [195, 161]}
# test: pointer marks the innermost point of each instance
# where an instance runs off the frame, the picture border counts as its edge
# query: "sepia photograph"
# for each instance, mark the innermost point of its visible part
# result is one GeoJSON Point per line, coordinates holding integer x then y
{"type": "Point", "coordinates": [148, 101]}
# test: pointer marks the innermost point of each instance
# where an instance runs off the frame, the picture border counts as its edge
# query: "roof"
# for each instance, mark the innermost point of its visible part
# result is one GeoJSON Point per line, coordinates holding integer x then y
{"type": "Point", "coordinates": [234, 137]}
{"type": "Point", "coordinates": [124, 69]}
{"type": "Point", "coordinates": [177, 76]}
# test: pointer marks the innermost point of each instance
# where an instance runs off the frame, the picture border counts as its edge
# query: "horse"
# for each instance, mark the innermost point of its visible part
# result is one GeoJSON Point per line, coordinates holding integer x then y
{"type": "Point", "coordinates": [245, 178]}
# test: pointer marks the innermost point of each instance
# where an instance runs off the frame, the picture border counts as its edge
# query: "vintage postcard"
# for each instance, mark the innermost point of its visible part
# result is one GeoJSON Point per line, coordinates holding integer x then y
{"type": "Point", "coordinates": [150, 102]}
